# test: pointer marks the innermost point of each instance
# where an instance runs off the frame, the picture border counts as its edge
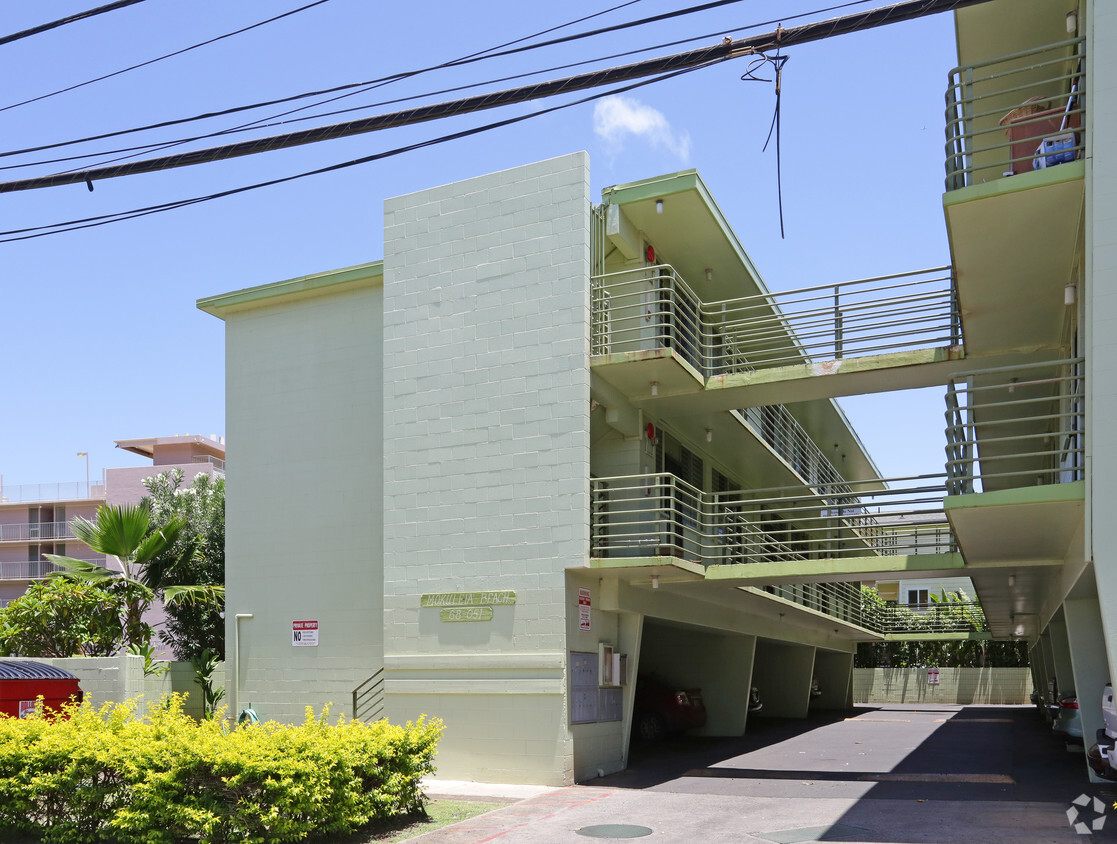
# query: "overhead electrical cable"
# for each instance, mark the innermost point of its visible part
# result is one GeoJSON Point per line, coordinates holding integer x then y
{"type": "Point", "coordinates": [728, 49]}
{"type": "Point", "coordinates": [105, 219]}
{"type": "Point", "coordinates": [375, 82]}
{"type": "Point", "coordinates": [161, 58]}
{"type": "Point", "coordinates": [89, 13]}
{"type": "Point", "coordinates": [264, 121]}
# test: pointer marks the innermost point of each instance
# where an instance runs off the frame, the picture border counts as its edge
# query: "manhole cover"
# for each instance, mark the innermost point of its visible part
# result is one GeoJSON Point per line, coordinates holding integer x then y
{"type": "Point", "coordinates": [614, 830]}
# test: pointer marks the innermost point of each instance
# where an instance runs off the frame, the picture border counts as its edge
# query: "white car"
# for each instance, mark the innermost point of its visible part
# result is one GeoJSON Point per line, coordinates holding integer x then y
{"type": "Point", "coordinates": [1102, 756]}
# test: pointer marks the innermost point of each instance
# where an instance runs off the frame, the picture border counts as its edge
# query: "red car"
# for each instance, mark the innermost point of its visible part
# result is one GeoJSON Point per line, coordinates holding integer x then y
{"type": "Point", "coordinates": [660, 709]}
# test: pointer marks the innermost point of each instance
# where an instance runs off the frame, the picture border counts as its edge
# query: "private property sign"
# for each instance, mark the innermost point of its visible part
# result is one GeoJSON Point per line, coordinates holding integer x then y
{"type": "Point", "coordinates": [304, 634]}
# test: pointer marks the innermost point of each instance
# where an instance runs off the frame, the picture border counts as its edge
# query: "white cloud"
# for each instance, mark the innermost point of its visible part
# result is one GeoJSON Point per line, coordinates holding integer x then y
{"type": "Point", "coordinates": [616, 117]}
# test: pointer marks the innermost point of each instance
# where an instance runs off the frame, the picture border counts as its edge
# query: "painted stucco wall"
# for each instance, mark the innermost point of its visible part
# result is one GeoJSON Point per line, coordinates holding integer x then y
{"type": "Point", "coordinates": [955, 685]}
{"type": "Point", "coordinates": [486, 443]}
{"type": "Point", "coordinates": [303, 504]}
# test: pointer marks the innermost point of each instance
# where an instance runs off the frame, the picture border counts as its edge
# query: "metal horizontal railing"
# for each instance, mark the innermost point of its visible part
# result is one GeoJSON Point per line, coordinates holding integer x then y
{"type": "Point", "coordinates": [941, 617]}
{"type": "Point", "coordinates": [1015, 113]}
{"type": "Point", "coordinates": [35, 531]}
{"type": "Point", "coordinates": [654, 308]}
{"type": "Point", "coordinates": [217, 462]}
{"type": "Point", "coordinates": [65, 491]}
{"type": "Point", "coordinates": [33, 569]}
{"type": "Point", "coordinates": [776, 426]}
{"type": "Point", "coordinates": [1015, 427]}
{"type": "Point", "coordinates": [660, 515]}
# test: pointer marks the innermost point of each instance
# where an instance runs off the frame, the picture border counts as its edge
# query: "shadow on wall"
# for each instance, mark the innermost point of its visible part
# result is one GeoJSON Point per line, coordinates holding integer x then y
{"type": "Point", "coordinates": [1006, 686]}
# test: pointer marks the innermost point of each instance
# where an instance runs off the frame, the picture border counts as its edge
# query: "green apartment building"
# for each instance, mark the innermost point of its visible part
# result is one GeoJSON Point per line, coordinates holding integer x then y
{"type": "Point", "coordinates": [554, 443]}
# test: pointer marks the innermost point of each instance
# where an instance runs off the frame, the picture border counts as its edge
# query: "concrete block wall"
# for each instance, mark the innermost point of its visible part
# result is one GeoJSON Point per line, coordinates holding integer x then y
{"type": "Point", "coordinates": [304, 507]}
{"type": "Point", "coordinates": [486, 430]}
{"type": "Point", "coordinates": [956, 685]}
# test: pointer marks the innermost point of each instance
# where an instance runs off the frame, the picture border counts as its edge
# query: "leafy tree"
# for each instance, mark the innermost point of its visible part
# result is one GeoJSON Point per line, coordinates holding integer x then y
{"type": "Point", "coordinates": [62, 618]}
{"type": "Point", "coordinates": [196, 557]}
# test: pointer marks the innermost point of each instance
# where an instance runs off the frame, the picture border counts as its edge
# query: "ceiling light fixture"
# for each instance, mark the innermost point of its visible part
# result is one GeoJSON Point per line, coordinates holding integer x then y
{"type": "Point", "coordinates": [659, 206]}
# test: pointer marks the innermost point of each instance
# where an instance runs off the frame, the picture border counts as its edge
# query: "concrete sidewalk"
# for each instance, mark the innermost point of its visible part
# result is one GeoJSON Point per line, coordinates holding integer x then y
{"type": "Point", "coordinates": [986, 775]}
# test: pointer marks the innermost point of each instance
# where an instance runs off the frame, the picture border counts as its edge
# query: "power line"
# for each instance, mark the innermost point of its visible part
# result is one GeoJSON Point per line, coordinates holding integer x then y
{"type": "Point", "coordinates": [105, 219]}
{"type": "Point", "coordinates": [44, 27]}
{"type": "Point", "coordinates": [728, 49]}
{"type": "Point", "coordinates": [161, 58]}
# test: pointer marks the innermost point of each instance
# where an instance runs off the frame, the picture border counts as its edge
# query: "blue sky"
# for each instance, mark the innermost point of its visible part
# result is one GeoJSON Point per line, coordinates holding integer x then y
{"type": "Point", "coordinates": [103, 337]}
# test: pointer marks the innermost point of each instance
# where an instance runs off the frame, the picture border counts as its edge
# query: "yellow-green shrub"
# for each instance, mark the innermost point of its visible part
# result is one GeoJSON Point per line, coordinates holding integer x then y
{"type": "Point", "coordinates": [106, 774]}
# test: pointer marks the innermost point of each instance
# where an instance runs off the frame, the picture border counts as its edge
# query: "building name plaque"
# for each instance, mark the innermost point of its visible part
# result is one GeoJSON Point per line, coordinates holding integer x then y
{"type": "Point", "coordinates": [466, 614]}
{"type": "Point", "coordinates": [467, 599]}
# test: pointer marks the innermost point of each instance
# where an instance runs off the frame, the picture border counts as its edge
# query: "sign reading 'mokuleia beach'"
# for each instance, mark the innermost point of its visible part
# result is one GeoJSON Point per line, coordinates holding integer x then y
{"type": "Point", "coordinates": [467, 606]}
{"type": "Point", "coordinates": [467, 599]}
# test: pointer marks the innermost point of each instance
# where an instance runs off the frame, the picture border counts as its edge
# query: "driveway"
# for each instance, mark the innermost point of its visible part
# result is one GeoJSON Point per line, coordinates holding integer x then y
{"type": "Point", "coordinates": [885, 773]}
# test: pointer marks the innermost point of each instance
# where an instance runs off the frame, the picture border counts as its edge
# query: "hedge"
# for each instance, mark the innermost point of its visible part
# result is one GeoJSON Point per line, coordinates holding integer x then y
{"type": "Point", "coordinates": [106, 774]}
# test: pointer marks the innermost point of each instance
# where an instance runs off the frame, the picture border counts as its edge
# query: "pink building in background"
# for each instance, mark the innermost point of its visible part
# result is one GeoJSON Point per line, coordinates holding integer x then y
{"type": "Point", "coordinates": [35, 518]}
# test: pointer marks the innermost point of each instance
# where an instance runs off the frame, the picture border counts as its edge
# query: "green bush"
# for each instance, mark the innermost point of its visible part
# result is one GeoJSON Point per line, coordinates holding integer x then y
{"type": "Point", "coordinates": [107, 775]}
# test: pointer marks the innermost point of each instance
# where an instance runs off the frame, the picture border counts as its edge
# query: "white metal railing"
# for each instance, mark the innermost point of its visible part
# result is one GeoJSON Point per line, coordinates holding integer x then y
{"type": "Point", "coordinates": [34, 569]}
{"type": "Point", "coordinates": [1017, 426]}
{"type": "Point", "coordinates": [34, 531]}
{"type": "Point", "coordinates": [940, 617]}
{"type": "Point", "coordinates": [660, 515]}
{"type": "Point", "coordinates": [838, 600]}
{"type": "Point", "coordinates": [217, 462]}
{"type": "Point", "coordinates": [63, 491]}
{"type": "Point", "coordinates": [1015, 113]}
{"type": "Point", "coordinates": [776, 425]}
{"type": "Point", "coordinates": [654, 308]}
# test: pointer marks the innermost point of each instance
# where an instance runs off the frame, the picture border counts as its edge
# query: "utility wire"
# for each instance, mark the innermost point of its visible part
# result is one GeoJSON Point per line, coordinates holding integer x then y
{"type": "Point", "coordinates": [376, 82]}
{"type": "Point", "coordinates": [260, 122]}
{"type": "Point", "coordinates": [89, 13]}
{"type": "Point", "coordinates": [729, 48]}
{"type": "Point", "coordinates": [105, 219]}
{"type": "Point", "coordinates": [161, 58]}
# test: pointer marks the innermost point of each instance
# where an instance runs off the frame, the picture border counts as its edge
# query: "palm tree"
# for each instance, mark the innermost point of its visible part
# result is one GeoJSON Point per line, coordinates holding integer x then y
{"type": "Point", "coordinates": [125, 532]}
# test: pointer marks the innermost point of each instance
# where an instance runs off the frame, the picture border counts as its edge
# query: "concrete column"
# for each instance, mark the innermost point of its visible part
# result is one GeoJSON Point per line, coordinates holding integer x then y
{"type": "Point", "coordinates": [1091, 667]}
{"type": "Point", "coordinates": [783, 674]}
{"type": "Point", "coordinates": [1060, 653]}
{"type": "Point", "coordinates": [834, 672]}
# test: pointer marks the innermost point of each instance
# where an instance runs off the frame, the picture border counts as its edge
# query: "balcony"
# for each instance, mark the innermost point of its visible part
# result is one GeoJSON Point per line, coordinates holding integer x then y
{"type": "Point", "coordinates": [34, 569]}
{"type": "Point", "coordinates": [1015, 192]}
{"type": "Point", "coordinates": [1015, 114]}
{"type": "Point", "coordinates": [797, 531]}
{"type": "Point", "coordinates": [652, 336]}
{"type": "Point", "coordinates": [1015, 452]}
{"type": "Point", "coordinates": [36, 532]}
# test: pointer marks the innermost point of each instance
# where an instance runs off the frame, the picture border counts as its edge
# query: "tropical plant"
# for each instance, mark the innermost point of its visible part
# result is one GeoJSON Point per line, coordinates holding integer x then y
{"type": "Point", "coordinates": [153, 666]}
{"type": "Point", "coordinates": [196, 557]}
{"type": "Point", "coordinates": [125, 532]}
{"type": "Point", "coordinates": [205, 664]}
{"type": "Point", "coordinates": [61, 618]}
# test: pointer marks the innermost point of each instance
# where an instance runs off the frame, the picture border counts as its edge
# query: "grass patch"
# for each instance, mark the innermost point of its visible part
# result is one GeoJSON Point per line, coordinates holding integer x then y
{"type": "Point", "coordinates": [440, 813]}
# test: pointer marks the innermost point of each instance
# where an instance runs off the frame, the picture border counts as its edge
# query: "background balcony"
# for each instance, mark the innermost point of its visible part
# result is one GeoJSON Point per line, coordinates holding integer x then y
{"type": "Point", "coordinates": [35, 532]}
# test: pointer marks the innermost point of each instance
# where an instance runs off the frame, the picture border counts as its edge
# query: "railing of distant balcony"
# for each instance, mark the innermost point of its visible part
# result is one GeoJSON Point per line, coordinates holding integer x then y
{"type": "Point", "coordinates": [65, 491]}
{"type": "Point", "coordinates": [653, 307]}
{"type": "Point", "coordinates": [999, 113]}
{"type": "Point", "coordinates": [33, 569]}
{"type": "Point", "coordinates": [942, 617]}
{"type": "Point", "coordinates": [35, 531]}
{"type": "Point", "coordinates": [660, 515]}
{"type": "Point", "coordinates": [216, 462]}
{"type": "Point", "coordinates": [1017, 426]}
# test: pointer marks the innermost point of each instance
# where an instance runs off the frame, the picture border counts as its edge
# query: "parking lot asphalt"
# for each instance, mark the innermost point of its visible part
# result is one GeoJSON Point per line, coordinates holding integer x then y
{"type": "Point", "coordinates": [886, 774]}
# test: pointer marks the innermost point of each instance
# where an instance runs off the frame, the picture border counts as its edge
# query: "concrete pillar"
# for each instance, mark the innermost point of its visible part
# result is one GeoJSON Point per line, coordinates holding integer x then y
{"type": "Point", "coordinates": [1091, 665]}
{"type": "Point", "coordinates": [1060, 653]}
{"type": "Point", "coordinates": [783, 674]}
{"type": "Point", "coordinates": [834, 672]}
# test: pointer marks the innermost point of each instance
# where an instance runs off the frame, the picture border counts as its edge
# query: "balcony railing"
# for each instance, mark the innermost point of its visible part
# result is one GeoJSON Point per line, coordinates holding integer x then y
{"type": "Point", "coordinates": [942, 617]}
{"type": "Point", "coordinates": [654, 308]}
{"type": "Point", "coordinates": [34, 569]}
{"type": "Point", "coordinates": [1016, 427]}
{"type": "Point", "coordinates": [65, 491]}
{"type": "Point", "coordinates": [662, 516]}
{"type": "Point", "coordinates": [781, 430]}
{"type": "Point", "coordinates": [216, 462]}
{"type": "Point", "coordinates": [1016, 113]}
{"type": "Point", "coordinates": [35, 531]}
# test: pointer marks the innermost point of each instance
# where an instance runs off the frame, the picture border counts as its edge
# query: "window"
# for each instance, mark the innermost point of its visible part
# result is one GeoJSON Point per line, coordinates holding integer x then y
{"type": "Point", "coordinates": [918, 596]}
